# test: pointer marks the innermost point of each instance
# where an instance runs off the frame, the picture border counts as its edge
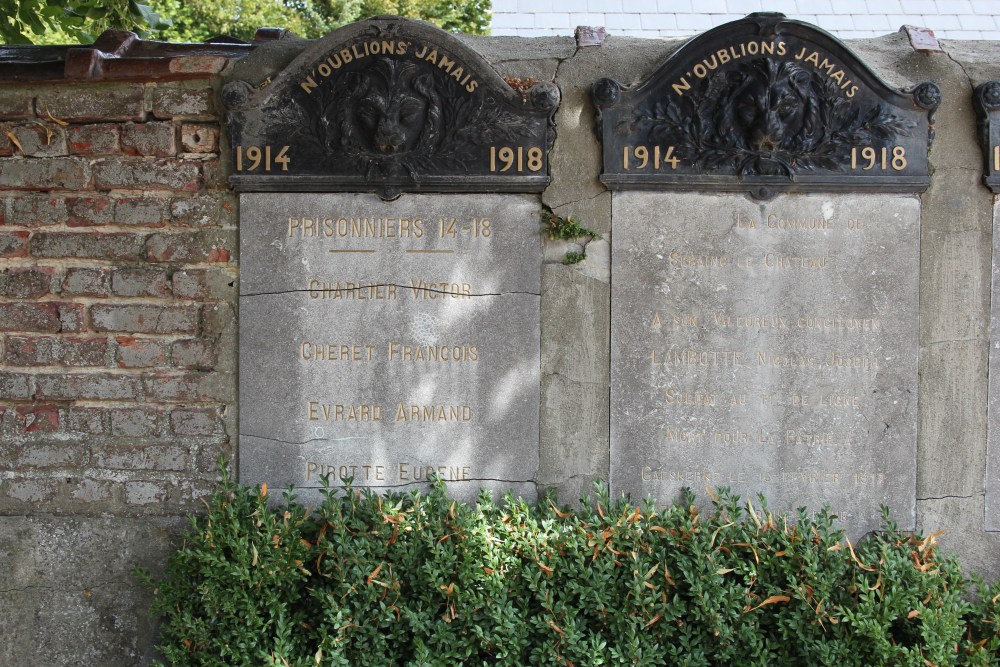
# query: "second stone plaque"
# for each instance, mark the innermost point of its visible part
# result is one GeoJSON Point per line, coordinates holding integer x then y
{"type": "Point", "coordinates": [768, 347]}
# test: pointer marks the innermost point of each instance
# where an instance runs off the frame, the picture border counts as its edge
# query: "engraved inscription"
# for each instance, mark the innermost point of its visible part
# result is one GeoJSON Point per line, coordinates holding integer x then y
{"type": "Point", "coordinates": [766, 347]}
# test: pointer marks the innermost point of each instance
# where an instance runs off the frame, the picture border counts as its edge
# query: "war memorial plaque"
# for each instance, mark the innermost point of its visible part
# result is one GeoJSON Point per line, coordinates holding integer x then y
{"type": "Point", "coordinates": [764, 338]}
{"type": "Point", "coordinates": [987, 104]}
{"type": "Point", "coordinates": [388, 334]}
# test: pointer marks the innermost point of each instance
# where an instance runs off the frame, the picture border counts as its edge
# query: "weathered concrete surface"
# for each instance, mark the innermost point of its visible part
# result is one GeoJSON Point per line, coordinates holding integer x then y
{"type": "Point", "coordinates": [68, 591]}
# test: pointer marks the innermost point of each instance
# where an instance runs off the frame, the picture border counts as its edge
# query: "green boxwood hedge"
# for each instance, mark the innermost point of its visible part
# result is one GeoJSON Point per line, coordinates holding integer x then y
{"type": "Point", "coordinates": [424, 580]}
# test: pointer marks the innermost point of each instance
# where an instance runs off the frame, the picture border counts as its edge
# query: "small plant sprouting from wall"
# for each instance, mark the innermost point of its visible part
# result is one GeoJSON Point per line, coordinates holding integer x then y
{"type": "Point", "coordinates": [567, 229]}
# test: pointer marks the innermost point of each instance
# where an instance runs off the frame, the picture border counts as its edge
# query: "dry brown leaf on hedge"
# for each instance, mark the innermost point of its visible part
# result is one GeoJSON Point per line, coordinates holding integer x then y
{"type": "Point", "coordinates": [561, 515]}
{"type": "Point", "coordinates": [913, 614]}
{"type": "Point", "coordinates": [858, 560]}
{"type": "Point", "coordinates": [771, 600]}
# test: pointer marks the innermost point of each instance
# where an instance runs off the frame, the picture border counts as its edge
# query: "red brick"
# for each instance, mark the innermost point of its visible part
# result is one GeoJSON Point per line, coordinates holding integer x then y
{"type": "Point", "coordinates": [203, 211]}
{"type": "Point", "coordinates": [29, 316]}
{"type": "Point", "coordinates": [132, 352]}
{"type": "Point", "coordinates": [201, 246]}
{"type": "Point", "coordinates": [204, 284]}
{"type": "Point", "coordinates": [196, 421]}
{"type": "Point", "coordinates": [16, 103]}
{"type": "Point", "coordinates": [71, 317]}
{"type": "Point", "coordinates": [200, 138]}
{"type": "Point", "coordinates": [87, 387]}
{"type": "Point", "coordinates": [140, 457]}
{"type": "Point", "coordinates": [217, 319]}
{"type": "Point", "coordinates": [93, 491]}
{"type": "Point", "coordinates": [87, 282]}
{"type": "Point", "coordinates": [54, 351]}
{"type": "Point", "coordinates": [197, 353]}
{"type": "Point", "coordinates": [32, 491]}
{"type": "Point", "coordinates": [137, 422]}
{"type": "Point", "coordinates": [34, 210]}
{"type": "Point", "coordinates": [93, 102]}
{"type": "Point", "coordinates": [112, 246]}
{"type": "Point", "coordinates": [214, 175]}
{"type": "Point", "coordinates": [41, 455]}
{"type": "Point", "coordinates": [96, 139]}
{"type": "Point", "coordinates": [189, 103]}
{"type": "Point", "coordinates": [15, 386]}
{"type": "Point", "coordinates": [140, 492]}
{"type": "Point", "coordinates": [37, 139]}
{"type": "Point", "coordinates": [190, 386]}
{"type": "Point", "coordinates": [84, 420]}
{"type": "Point", "coordinates": [90, 211]}
{"type": "Point", "coordinates": [62, 173]}
{"type": "Point", "coordinates": [163, 174]}
{"type": "Point", "coordinates": [27, 283]}
{"type": "Point", "coordinates": [38, 418]}
{"type": "Point", "coordinates": [154, 139]}
{"type": "Point", "coordinates": [14, 244]}
{"type": "Point", "coordinates": [144, 318]}
{"type": "Point", "coordinates": [140, 282]}
{"type": "Point", "coordinates": [145, 212]}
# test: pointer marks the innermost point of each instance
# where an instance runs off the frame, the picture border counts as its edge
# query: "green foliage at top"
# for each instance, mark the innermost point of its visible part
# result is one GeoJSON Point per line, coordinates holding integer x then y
{"type": "Point", "coordinates": [423, 580]}
{"type": "Point", "coordinates": [60, 22]}
{"type": "Point", "coordinates": [30, 21]}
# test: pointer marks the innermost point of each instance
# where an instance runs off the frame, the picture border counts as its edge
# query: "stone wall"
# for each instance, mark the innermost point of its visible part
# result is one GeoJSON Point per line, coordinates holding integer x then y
{"type": "Point", "coordinates": [118, 275]}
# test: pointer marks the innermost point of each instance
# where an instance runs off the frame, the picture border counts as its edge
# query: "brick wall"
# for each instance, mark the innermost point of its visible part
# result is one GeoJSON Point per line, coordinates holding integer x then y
{"type": "Point", "coordinates": [847, 19]}
{"type": "Point", "coordinates": [117, 297]}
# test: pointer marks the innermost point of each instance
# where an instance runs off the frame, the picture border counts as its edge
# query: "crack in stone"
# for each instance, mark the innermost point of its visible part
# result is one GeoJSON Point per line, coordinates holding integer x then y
{"type": "Point", "coordinates": [952, 340]}
{"type": "Point", "coordinates": [577, 201]}
{"type": "Point", "coordinates": [960, 66]}
{"type": "Point", "coordinates": [288, 442]}
{"type": "Point", "coordinates": [969, 497]}
{"type": "Point", "coordinates": [398, 286]}
{"type": "Point", "coordinates": [574, 380]}
{"type": "Point", "coordinates": [456, 481]}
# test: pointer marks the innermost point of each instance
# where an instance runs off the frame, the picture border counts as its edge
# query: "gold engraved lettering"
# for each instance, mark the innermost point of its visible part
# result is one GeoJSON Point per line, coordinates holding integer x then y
{"type": "Point", "coordinates": [834, 71]}
{"type": "Point", "coordinates": [366, 472]}
{"type": "Point", "coordinates": [310, 351]}
{"type": "Point", "coordinates": [350, 290]}
{"type": "Point", "coordinates": [367, 47]}
{"type": "Point", "coordinates": [786, 360]}
{"type": "Point", "coordinates": [678, 397]}
{"type": "Point", "coordinates": [693, 357]}
{"type": "Point", "coordinates": [421, 289]}
{"type": "Point", "coordinates": [743, 221]}
{"type": "Point", "coordinates": [443, 353]}
{"type": "Point", "coordinates": [684, 435]}
{"type": "Point", "coordinates": [433, 413]}
{"type": "Point", "coordinates": [425, 473]}
{"type": "Point", "coordinates": [864, 363]}
{"type": "Point", "coordinates": [777, 222]}
{"type": "Point", "coordinates": [775, 261]}
{"type": "Point", "coordinates": [316, 411]}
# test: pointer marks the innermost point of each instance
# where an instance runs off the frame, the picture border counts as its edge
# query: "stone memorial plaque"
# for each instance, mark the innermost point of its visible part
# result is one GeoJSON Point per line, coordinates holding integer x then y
{"type": "Point", "coordinates": [390, 337]}
{"type": "Point", "coordinates": [390, 341]}
{"type": "Point", "coordinates": [767, 347]}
